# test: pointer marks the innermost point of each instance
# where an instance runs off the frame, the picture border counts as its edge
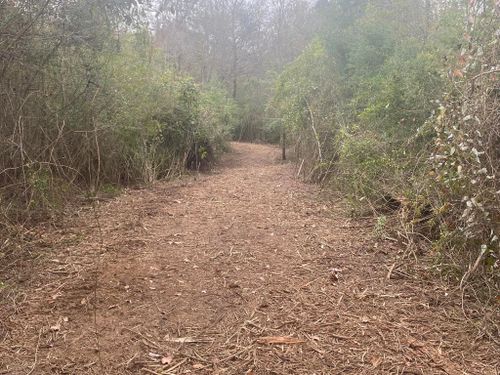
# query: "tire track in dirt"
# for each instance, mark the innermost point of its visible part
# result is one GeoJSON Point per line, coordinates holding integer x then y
{"type": "Point", "coordinates": [200, 275]}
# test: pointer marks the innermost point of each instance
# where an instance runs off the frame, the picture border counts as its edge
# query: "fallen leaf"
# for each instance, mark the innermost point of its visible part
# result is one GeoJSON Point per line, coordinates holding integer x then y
{"type": "Point", "coordinates": [273, 340]}
{"type": "Point", "coordinates": [198, 366]}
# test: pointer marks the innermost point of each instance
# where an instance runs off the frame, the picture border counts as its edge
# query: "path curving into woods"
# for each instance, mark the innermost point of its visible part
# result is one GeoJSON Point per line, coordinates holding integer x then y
{"type": "Point", "coordinates": [242, 271]}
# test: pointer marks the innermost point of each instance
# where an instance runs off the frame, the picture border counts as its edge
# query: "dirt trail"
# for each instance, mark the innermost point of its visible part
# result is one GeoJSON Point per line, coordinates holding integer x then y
{"type": "Point", "coordinates": [195, 276]}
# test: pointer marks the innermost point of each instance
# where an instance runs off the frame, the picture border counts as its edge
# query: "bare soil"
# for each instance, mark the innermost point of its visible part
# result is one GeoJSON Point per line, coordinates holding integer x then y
{"type": "Point", "coordinates": [245, 270]}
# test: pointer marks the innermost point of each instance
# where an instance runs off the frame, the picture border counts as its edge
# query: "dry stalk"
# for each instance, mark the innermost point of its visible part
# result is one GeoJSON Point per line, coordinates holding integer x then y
{"type": "Point", "coordinates": [97, 260]}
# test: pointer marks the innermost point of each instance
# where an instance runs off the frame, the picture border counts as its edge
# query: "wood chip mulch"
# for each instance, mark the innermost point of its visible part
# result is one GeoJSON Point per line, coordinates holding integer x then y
{"type": "Point", "coordinates": [246, 270]}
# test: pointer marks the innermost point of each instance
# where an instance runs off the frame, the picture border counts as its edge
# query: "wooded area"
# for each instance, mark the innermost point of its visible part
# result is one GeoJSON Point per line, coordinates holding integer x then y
{"type": "Point", "coordinates": [393, 103]}
{"type": "Point", "coordinates": [389, 106]}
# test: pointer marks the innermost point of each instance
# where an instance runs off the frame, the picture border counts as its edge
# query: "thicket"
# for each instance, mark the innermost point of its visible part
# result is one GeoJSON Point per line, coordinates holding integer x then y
{"type": "Point", "coordinates": [391, 105]}
{"type": "Point", "coordinates": [88, 102]}
{"type": "Point", "coordinates": [466, 153]}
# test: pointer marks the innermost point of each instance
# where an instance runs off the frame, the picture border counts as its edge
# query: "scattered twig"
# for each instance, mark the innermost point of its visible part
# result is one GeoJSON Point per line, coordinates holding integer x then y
{"type": "Point", "coordinates": [36, 353]}
{"type": "Point", "coordinates": [389, 274]}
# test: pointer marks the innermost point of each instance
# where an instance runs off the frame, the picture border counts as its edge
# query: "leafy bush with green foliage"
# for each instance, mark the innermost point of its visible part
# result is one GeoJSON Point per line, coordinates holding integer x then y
{"type": "Point", "coordinates": [86, 99]}
{"type": "Point", "coordinates": [305, 102]}
{"type": "Point", "coordinates": [466, 158]}
{"type": "Point", "coordinates": [368, 92]}
{"type": "Point", "coordinates": [360, 103]}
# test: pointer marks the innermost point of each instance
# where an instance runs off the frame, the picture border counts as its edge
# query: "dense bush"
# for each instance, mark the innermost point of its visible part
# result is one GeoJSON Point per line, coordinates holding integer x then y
{"type": "Point", "coordinates": [362, 107]}
{"type": "Point", "coordinates": [466, 157]}
{"type": "Point", "coordinates": [87, 100]}
{"type": "Point", "coordinates": [306, 103]}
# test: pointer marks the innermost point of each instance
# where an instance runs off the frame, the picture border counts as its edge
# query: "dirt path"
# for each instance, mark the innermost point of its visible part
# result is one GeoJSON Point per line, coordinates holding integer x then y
{"type": "Point", "coordinates": [196, 276]}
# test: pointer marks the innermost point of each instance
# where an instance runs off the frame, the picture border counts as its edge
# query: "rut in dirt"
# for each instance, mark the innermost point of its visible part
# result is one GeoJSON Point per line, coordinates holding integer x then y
{"type": "Point", "coordinates": [242, 271]}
